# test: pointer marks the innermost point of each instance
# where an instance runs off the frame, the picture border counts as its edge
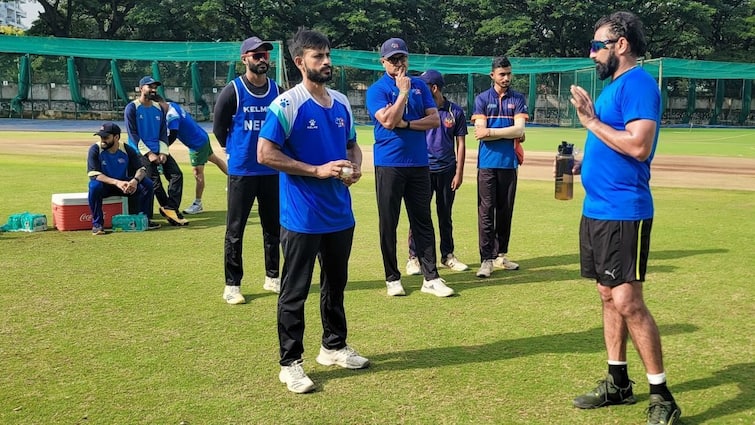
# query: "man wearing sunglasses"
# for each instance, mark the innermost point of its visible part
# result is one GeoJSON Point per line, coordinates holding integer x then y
{"type": "Point", "coordinates": [238, 117]}
{"type": "Point", "coordinates": [617, 214]}
{"type": "Point", "coordinates": [403, 109]}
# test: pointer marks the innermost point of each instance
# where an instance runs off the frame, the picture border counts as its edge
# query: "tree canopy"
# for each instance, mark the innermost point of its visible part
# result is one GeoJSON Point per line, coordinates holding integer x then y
{"type": "Point", "coordinates": [713, 29]}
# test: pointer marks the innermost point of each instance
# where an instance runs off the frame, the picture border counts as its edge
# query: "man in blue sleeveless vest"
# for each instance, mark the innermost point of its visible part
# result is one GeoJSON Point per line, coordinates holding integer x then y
{"type": "Point", "coordinates": [238, 117]}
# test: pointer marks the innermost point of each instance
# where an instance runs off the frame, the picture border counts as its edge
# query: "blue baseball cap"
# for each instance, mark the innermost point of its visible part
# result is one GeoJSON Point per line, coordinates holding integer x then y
{"type": "Point", "coordinates": [431, 77]}
{"type": "Point", "coordinates": [393, 46]}
{"type": "Point", "coordinates": [147, 79]}
{"type": "Point", "coordinates": [108, 128]}
{"type": "Point", "coordinates": [254, 43]}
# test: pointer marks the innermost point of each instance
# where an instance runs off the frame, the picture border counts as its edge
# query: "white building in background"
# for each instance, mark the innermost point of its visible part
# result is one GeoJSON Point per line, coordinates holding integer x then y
{"type": "Point", "coordinates": [12, 13]}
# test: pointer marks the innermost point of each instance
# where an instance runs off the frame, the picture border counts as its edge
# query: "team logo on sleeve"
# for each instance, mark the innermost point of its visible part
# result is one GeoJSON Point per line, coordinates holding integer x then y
{"type": "Point", "coordinates": [284, 103]}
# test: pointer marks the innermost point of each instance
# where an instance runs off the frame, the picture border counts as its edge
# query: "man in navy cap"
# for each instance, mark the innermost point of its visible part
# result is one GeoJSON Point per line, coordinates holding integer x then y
{"type": "Point", "coordinates": [403, 109]}
{"type": "Point", "coordinates": [239, 113]}
{"type": "Point", "coordinates": [148, 134]}
{"type": "Point", "coordinates": [115, 169]}
{"type": "Point", "coordinates": [446, 153]}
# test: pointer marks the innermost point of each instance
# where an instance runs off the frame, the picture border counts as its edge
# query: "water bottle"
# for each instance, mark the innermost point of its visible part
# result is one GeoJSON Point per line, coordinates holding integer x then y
{"type": "Point", "coordinates": [564, 176]}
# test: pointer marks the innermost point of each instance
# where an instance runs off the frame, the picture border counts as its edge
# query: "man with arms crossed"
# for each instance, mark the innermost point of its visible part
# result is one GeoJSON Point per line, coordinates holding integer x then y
{"type": "Point", "coordinates": [617, 214]}
{"type": "Point", "coordinates": [309, 135]}
{"type": "Point", "coordinates": [499, 117]}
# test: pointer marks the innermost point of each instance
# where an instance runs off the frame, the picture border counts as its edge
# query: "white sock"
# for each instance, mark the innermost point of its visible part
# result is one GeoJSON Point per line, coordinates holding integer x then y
{"type": "Point", "coordinates": [657, 379]}
{"type": "Point", "coordinates": [198, 201]}
{"type": "Point", "coordinates": [616, 363]}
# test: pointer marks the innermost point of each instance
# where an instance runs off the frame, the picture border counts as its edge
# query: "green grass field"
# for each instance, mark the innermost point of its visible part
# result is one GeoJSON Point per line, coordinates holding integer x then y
{"type": "Point", "coordinates": [130, 328]}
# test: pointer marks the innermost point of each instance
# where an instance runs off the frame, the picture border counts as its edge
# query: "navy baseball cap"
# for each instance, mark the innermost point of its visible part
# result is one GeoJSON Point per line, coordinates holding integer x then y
{"type": "Point", "coordinates": [147, 79]}
{"type": "Point", "coordinates": [108, 128]}
{"type": "Point", "coordinates": [254, 43]}
{"type": "Point", "coordinates": [393, 46]}
{"type": "Point", "coordinates": [431, 77]}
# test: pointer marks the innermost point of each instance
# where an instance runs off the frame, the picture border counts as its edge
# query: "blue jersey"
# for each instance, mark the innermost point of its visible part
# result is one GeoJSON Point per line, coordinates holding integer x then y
{"type": "Point", "coordinates": [120, 165]}
{"type": "Point", "coordinates": [441, 141]}
{"type": "Point", "coordinates": [311, 133]}
{"type": "Point", "coordinates": [241, 144]}
{"type": "Point", "coordinates": [617, 186]}
{"type": "Point", "coordinates": [189, 132]}
{"type": "Point", "coordinates": [499, 112]}
{"type": "Point", "coordinates": [146, 127]}
{"type": "Point", "coordinates": [399, 147]}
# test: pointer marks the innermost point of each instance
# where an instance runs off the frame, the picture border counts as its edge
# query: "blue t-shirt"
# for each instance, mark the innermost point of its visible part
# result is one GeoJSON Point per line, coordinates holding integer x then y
{"type": "Point", "coordinates": [617, 186]}
{"type": "Point", "coordinates": [120, 165]}
{"type": "Point", "coordinates": [499, 112]}
{"type": "Point", "coordinates": [189, 132]}
{"type": "Point", "coordinates": [241, 144]}
{"type": "Point", "coordinates": [441, 141]}
{"type": "Point", "coordinates": [308, 132]}
{"type": "Point", "coordinates": [399, 147]}
{"type": "Point", "coordinates": [146, 127]}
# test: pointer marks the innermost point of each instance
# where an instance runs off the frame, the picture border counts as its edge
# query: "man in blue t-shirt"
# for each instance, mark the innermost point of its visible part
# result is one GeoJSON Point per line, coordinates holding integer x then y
{"type": "Point", "coordinates": [182, 127]}
{"type": "Point", "coordinates": [115, 169]}
{"type": "Point", "coordinates": [402, 109]}
{"type": "Point", "coordinates": [148, 134]}
{"type": "Point", "coordinates": [617, 214]}
{"type": "Point", "coordinates": [309, 136]}
{"type": "Point", "coordinates": [500, 114]}
{"type": "Point", "coordinates": [446, 151]}
{"type": "Point", "coordinates": [239, 113]}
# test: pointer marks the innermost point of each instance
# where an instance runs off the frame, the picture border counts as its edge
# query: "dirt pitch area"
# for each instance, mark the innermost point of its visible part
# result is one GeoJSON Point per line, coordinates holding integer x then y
{"type": "Point", "coordinates": [667, 171]}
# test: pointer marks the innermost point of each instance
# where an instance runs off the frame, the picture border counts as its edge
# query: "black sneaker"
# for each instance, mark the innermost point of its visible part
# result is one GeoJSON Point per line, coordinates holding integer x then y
{"type": "Point", "coordinates": [151, 225]}
{"type": "Point", "coordinates": [662, 412]}
{"type": "Point", "coordinates": [606, 394]}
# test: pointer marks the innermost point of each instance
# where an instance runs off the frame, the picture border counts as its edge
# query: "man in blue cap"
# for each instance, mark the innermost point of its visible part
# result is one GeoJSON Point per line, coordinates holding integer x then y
{"type": "Point", "coordinates": [446, 152]}
{"type": "Point", "coordinates": [239, 114]}
{"type": "Point", "coordinates": [148, 134]}
{"type": "Point", "coordinates": [403, 109]}
{"type": "Point", "coordinates": [115, 169]}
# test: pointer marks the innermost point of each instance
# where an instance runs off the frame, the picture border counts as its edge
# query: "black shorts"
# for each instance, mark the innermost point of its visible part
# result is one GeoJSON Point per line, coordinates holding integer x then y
{"type": "Point", "coordinates": [614, 252]}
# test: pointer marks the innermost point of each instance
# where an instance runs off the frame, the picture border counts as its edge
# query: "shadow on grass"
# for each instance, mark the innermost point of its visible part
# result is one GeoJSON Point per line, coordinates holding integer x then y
{"type": "Point", "coordinates": [741, 374]}
{"type": "Point", "coordinates": [533, 270]}
{"type": "Point", "coordinates": [588, 341]}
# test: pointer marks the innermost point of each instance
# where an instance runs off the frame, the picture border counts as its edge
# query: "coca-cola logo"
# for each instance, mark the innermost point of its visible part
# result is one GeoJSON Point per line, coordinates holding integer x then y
{"type": "Point", "coordinates": [88, 217]}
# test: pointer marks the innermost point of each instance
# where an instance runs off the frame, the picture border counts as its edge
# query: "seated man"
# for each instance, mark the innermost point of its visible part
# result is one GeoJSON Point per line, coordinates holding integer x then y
{"type": "Point", "coordinates": [115, 169]}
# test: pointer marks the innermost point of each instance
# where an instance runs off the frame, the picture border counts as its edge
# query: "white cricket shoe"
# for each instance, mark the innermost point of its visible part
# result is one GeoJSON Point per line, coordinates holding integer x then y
{"type": "Point", "coordinates": [437, 287]}
{"type": "Point", "coordinates": [502, 262]}
{"type": "Point", "coordinates": [232, 295]}
{"type": "Point", "coordinates": [272, 284]}
{"type": "Point", "coordinates": [412, 267]}
{"type": "Point", "coordinates": [345, 357]}
{"type": "Point", "coordinates": [486, 269]}
{"type": "Point", "coordinates": [194, 208]}
{"type": "Point", "coordinates": [394, 288]}
{"type": "Point", "coordinates": [295, 379]}
{"type": "Point", "coordinates": [454, 264]}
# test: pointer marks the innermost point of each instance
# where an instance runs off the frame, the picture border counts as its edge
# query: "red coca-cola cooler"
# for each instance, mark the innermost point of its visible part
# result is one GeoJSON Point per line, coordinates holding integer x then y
{"type": "Point", "coordinates": [70, 211]}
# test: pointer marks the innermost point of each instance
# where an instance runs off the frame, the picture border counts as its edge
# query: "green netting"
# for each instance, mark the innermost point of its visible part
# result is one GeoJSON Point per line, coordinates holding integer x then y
{"type": "Point", "coordinates": [73, 85]}
{"type": "Point", "coordinates": [24, 85]}
{"type": "Point", "coordinates": [118, 82]}
{"type": "Point", "coordinates": [196, 87]}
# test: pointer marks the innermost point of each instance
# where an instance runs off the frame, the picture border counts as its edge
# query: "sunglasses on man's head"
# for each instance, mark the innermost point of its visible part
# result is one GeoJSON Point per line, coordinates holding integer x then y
{"type": "Point", "coordinates": [596, 45]}
{"type": "Point", "coordinates": [259, 55]}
